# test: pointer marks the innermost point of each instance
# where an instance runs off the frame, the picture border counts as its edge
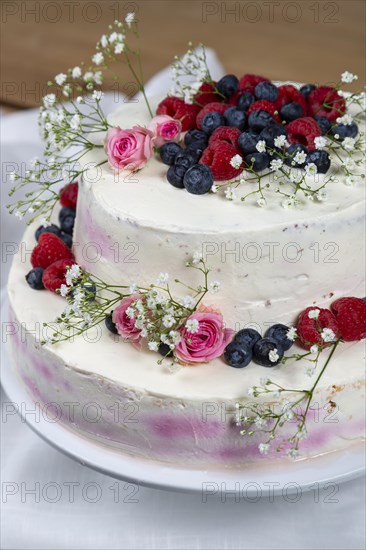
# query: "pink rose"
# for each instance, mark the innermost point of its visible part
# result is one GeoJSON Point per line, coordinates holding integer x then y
{"type": "Point", "coordinates": [128, 149]}
{"type": "Point", "coordinates": [125, 324]}
{"type": "Point", "coordinates": [208, 342]}
{"type": "Point", "coordinates": [165, 128]}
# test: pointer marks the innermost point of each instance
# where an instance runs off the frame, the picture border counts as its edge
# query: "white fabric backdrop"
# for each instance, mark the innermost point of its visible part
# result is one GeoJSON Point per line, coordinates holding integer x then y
{"type": "Point", "coordinates": [93, 511]}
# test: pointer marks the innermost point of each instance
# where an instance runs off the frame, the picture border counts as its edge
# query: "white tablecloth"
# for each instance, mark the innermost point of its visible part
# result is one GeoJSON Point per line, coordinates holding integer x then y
{"type": "Point", "coordinates": [51, 502]}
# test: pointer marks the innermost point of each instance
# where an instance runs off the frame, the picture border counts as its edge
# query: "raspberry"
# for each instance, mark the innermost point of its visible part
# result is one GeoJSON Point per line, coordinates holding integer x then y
{"type": "Point", "coordinates": [249, 81]}
{"type": "Point", "coordinates": [55, 274]}
{"type": "Point", "coordinates": [289, 94]}
{"type": "Point", "coordinates": [264, 105]}
{"type": "Point", "coordinates": [206, 94]}
{"type": "Point", "coordinates": [49, 249]}
{"type": "Point", "coordinates": [325, 101]}
{"type": "Point", "coordinates": [69, 195]}
{"type": "Point", "coordinates": [304, 131]}
{"type": "Point", "coordinates": [309, 330]}
{"type": "Point", "coordinates": [233, 100]}
{"type": "Point", "coordinates": [226, 134]}
{"type": "Point", "coordinates": [218, 159]}
{"type": "Point", "coordinates": [214, 107]}
{"type": "Point", "coordinates": [177, 109]}
{"type": "Point", "coordinates": [351, 318]}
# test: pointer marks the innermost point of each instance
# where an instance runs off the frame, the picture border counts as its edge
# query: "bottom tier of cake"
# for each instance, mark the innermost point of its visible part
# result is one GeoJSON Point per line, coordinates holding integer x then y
{"type": "Point", "coordinates": [117, 395]}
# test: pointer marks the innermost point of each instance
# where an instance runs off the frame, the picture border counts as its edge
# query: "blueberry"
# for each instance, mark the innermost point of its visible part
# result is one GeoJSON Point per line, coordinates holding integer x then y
{"type": "Point", "coordinates": [266, 90]}
{"type": "Point", "coordinates": [67, 219]}
{"type": "Point", "coordinates": [247, 337]}
{"type": "Point", "coordinates": [291, 111]}
{"type": "Point", "coordinates": [185, 159]}
{"type": "Point", "coordinates": [196, 149]}
{"type": "Point", "coordinates": [245, 100]}
{"type": "Point", "coordinates": [262, 352]}
{"type": "Point", "coordinates": [194, 135]}
{"type": "Point", "coordinates": [211, 121]}
{"type": "Point", "coordinates": [237, 355]}
{"type": "Point", "coordinates": [258, 120]}
{"type": "Point", "coordinates": [198, 179]}
{"type": "Point", "coordinates": [345, 130]}
{"type": "Point", "coordinates": [175, 175]}
{"type": "Point", "coordinates": [169, 151]}
{"type": "Point", "coordinates": [323, 124]}
{"type": "Point", "coordinates": [291, 154]}
{"type": "Point", "coordinates": [165, 350]}
{"type": "Point", "coordinates": [52, 228]}
{"type": "Point", "coordinates": [66, 238]}
{"type": "Point", "coordinates": [247, 142]}
{"type": "Point", "coordinates": [235, 117]}
{"type": "Point", "coordinates": [257, 161]}
{"type": "Point", "coordinates": [34, 278]}
{"type": "Point", "coordinates": [110, 325]}
{"type": "Point", "coordinates": [272, 132]}
{"type": "Point", "coordinates": [279, 333]}
{"type": "Point", "coordinates": [90, 291]}
{"type": "Point", "coordinates": [307, 89]}
{"type": "Point", "coordinates": [228, 85]}
{"type": "Point", "coordinates": [320, 159]}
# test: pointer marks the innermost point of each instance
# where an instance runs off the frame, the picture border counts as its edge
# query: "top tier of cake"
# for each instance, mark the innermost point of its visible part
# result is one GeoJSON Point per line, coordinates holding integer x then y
{"type": "Point", "coordinates": [271, 262]}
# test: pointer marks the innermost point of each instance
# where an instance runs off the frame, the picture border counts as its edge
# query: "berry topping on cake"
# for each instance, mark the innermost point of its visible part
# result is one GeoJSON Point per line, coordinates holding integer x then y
{"type": "Point", "coordinates": [179, 110]}
{"type": "Point", "coordinates": [287, 93]}
{"type": "Point", "coordinates": [323, 123]}
{"type": "Point", "coordinates": [257, 161]}
{"type": "Point", "coordinates": [69, 195]}
{"type": "Point", "coordinates": [320, 159]}
{"type": "Point", "coordinates": [270, 133]}
{"type": "Point", "coordinates": [169, 151]}
{"type": "Point", "coordinates": [225, 134]}
{"type": "Point", "coordinates": [317, 326]}
{"type": "Point", "coordinates": [49, 249]}
{"type": "Point", "coordinates": [206, 94]}
{"type": "Point", "coordinates": [342, 131]}
{"type": "Point", "coordinates": [266, 90]}
{"type": "Point", "coordinates": [326, 101]}
{"type": "Point", "coordinates": [234, 117]}
{"type": "Point", "coordinates": [211, 121]}
{"type": "Point", "coordinates": [195, 137]}
{"type": "Point", "coordinates": [210, 108]}
{"type": "Point", "coordinates": [247, 336]}
{"type": "Point", "coordinates": [66, 238]}
{"type": "Point", "coordinates": [245, 100]}
{"type": "Point", "coordinates": [238, 354]}
{"type": "Point", "coordinates": [175, 175]}
{"type": "Point", "coordinates": [258, 120]}
{"type": "Point", "coordinates": [111, 326]}
{"type": "Point", "coordinates": [296, 155]}
{"type": "Point", "coordinates": [228, 85]}
{"type": "Point", "coordinates": [52, 228]}
{"type": "Point", "coordinates": [55, 274]}
{"type": "Point", "coordinates": [306, 89]}
{"type": "Point", "coordinates": [351, 318]}
{"type": "Point", "coordinates": [247, 142]}
{"type": "Point", "coordinates": [66, 218]}
{"type": "Point", "coordinates": [264, 105]}
{"type": "Point", "coordinates": [291, 111]}
{"type": "Point", "coordinates": [248, 82]}
{"type": "Point", "coordinates": [303, 131]}
{"type": "Point", "coordinates": [198, 179]}
{"type": "Point", "coordinates": [280, 333]}
{"type": "Point", "coordinates": [165, 350]}
{"type": "Point", "coordinates": [218, 158]}
{"type": "Point", "coordinates": [267, 352]}
{"type": "Point", "coordinates": [34, 278]}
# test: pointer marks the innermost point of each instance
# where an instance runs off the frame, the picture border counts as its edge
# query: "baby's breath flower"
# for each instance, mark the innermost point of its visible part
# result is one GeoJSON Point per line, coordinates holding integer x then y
{"type": "Point", "coordinates": [320, 142]}
{"type": "Point", "coordinates": [351, 181]}
{"type": "Point", "coordinates": [162, 279]}
{"type": "Point", "coordinates": [348, 77]}
{"type": "Point", "coordinates": [64, 290]}
{"type": "Point", "coordinates": [345, 119]}
{"type": "Point", "coordinates": [97, 95]}
{"type": "Point", "coordinates": [311, 169]}
{"type": "Point", "coordinates": [273, 355]}
{"type": "Point", "coordinates": [322, 195]}
{"type": "Point", "coordinates": [214, 287]}
{"type": "Point", "coordinates": [188, 302]}
{"type": "Point", "coordinates": [192, 325]}
{"type": "Point", "coordinates": [261, 202]}
{"type": "Point", "coordinates": [119, 48]}
{"type": "Point", "coordinates": [314, 349]}
{"type": "Point", "coordinates": [153, 346]}
{"type": "Point", "coordinates": [133, 288]}
{"type": "Point", "coordinates": [76, 72]}
{"type": "Point", "coordinates": [230, 194]}
{"type": "Point", "coordinates": [276, 164]}
{"type": "Point", "coordinates": [293, 453]}
{"type": "Point", "coordinates": [168, 320]}
{"type": "Point", "coordinates": [300, 157]}
{"type": "Point", "coordinates": [98, 58]}
{"type": "Point", "coordinates": [349, 143]}
{"type": "Point", "coordinates": [328, 335]}
{"type": "Point", "coordinates": [236, 161]}
{"type": "Point", "coordinates": [292, 333]}
{"type": "Point", "coordinates": [130, 18]}
{"type": "Point", "coordinates": [264, 448]}
{"type": "Point", "coordinates": [280, 141]}
{"type": "Point", "coordinates": [261, 146]}
{"type": "Point", "coordinates": [49, 100]}
{"type": "Point", "coordinates": [72, 273]}
{"type": "Point", "coordinates": [60, 78]}
{"type": "Point", "coordinates": [313, 314]}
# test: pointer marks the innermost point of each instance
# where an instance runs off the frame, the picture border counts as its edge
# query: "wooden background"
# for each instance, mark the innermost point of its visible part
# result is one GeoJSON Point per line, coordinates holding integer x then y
{"type": "Point", "coordinates": [304, 40]}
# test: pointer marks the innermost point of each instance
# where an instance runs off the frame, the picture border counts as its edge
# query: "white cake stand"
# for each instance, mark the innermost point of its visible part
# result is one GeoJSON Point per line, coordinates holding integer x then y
{"type": "Point", "coordinates": [280, 478]}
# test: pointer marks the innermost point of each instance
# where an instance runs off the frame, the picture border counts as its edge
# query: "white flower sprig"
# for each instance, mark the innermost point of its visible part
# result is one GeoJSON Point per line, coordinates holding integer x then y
{"type": "Point", "coordinates": [157, 314]}
{"type": "Point", "coordinates": [68, 128]}
{"type": "Point", "coordinates": [189, 72]}
{"type": "Point", "coordinates": [263, 418]}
